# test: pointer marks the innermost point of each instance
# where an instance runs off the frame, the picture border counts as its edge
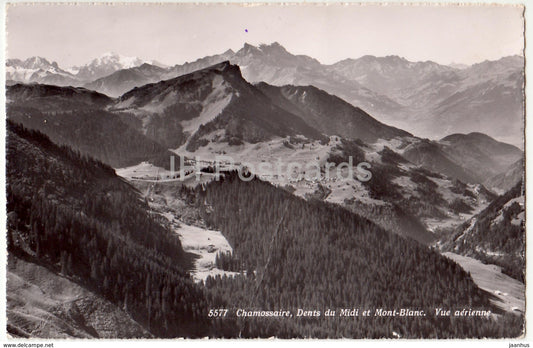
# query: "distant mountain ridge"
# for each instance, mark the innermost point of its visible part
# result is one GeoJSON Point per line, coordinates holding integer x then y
{"type": "Point", "coordinates": [107, 64]}
{"type": "Point", "coordinates": [40, 70]}
{"type": "Point", "coordinates": [127, 79]}
{"type": "Point", "coordinates": [473, 157]}
{"type": "Point", "coordinates": [390, 75]}
{"type": "Point", "coordinates": [416, 96]}
{"type": "Point", "coordinates": [466, 99]}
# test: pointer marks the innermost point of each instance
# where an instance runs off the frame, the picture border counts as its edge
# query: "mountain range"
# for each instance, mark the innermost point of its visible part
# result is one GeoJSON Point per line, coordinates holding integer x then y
{"type": "Point", "coordinates": [40, 70]}
{"type": "Point", "coordinates": [219, 98]}
{"type": "Point", "coordinates": [416, 96]}
{"type": "Point", "coordinates": [90, 258]}
{"type": "Point", "coordinates": [216, 111]}
{"type": "Point", "coordinates": [93, 206]}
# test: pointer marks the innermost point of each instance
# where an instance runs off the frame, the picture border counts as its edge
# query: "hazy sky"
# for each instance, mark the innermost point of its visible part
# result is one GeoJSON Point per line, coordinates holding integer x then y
{"type": "Point", "coordinates": [175, 33]}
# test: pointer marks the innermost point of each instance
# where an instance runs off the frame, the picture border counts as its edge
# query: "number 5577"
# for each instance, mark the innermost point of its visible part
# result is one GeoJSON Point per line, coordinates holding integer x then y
{"type": "Point", "coordinates": [217, 313]}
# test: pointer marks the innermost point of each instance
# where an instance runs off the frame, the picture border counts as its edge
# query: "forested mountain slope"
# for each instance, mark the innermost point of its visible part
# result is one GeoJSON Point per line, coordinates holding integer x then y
{"type": "Point", "coordinates": [496, 235]}
{"type": "Point", "coordinates": [77, 117]}
{"type": "Point", "coordinates": [73, 215]}
{"type": "Point", "coordinates": [311, 255]}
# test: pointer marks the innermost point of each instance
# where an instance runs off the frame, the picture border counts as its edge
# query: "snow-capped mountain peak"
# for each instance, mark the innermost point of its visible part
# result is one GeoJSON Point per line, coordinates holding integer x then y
{"type": "Point", "coordinates": [34, 63]}
{"type": "Point", "coordinates": [107, 64]}
{"type": "Point", "coordinates": [37, 69]}
{"type": "Point", "coordinates": [115, 58]}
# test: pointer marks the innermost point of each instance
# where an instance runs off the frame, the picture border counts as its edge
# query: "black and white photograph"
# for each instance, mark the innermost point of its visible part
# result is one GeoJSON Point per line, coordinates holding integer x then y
{"type": "Point", "coordinates": [264, 170]}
